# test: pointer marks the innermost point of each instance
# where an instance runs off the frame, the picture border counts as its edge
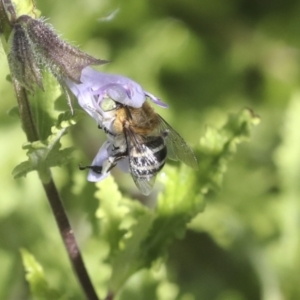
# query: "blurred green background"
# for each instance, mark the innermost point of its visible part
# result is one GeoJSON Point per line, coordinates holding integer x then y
{"type": "Point", "coordinates": [205, 59]}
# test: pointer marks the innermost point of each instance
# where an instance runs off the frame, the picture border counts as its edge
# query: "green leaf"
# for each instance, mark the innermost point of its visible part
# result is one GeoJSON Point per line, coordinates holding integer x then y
{"type": "Point", "coordinates": [118, 214]}
{"type": "Point", "coordinates": [43, 155]}
{"type": "Point", "coordinates": [128, 259]}
{"type": "Point", "coordinates": [14, 112]}
{"type": "Point", "coordinates": [218, 146]}
{"type": "Point", "coordinates": [43, 102]}
{"type": "Point", "coordinates": [183, 197]}
{"type": "Point", "coordinates": [22, 169]}
{"type": "Point", "coordinates": [122, 221]}
{"type": "Point", "coordinates": [139, 236]}
{"type": "Point", "coordinates": [287, 156]}
{"type": "Point", "coordinates": [177, 205]}
{"type": "Point", "coordinates": [36, 278]}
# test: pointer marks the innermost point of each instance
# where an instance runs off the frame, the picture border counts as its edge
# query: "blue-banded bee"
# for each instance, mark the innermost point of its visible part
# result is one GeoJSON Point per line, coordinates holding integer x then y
{"type": "Point", "coordinates": [139, 140]}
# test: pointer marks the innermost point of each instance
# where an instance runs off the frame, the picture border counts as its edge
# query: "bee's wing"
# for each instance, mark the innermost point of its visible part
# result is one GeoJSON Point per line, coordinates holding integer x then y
{"type": "Point", "coordinates": [176, 146]}
{"type": "Point", "coordinates": [144, 184]}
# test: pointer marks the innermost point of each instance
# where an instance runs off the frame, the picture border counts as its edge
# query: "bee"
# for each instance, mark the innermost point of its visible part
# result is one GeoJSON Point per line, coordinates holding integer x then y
{"type": "Point", "coordinates": [140, 140]}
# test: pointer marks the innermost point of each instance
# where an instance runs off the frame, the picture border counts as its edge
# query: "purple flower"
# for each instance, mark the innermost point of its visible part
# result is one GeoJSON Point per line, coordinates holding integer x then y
{"type": "Point", "coordinates": [95, 86]}
{"type": "Point", "coordinates": [33, 45]}
{"type": "Point", "coordinates": [93, 94]}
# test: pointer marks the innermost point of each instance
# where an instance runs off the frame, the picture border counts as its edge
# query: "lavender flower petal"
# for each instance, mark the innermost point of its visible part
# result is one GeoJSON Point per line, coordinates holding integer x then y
{"type": "Point", "coordinates": [102, 155]}
{"type": "Point", "coordinates": [97, 85]}
{"type": "Point", "coordinates": [132, 94]}
{"type": "Point", "coordinates": [124, 165]}
{"type": "Point", "coordinates": [156, 100]}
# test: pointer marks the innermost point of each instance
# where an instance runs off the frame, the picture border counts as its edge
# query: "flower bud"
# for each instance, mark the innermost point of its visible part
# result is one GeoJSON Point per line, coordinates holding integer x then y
{"type": "Point", "coordinates": [22, 59]}
{"type": "Point", "coordinates": [35, 44]}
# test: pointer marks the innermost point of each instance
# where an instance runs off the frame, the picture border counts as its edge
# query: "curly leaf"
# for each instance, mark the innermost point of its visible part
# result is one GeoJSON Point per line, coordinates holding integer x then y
{"type": "Point", "coordinates": [218, 146]}
{"type": "Point", "coordinates": [117, 213]}
{"type": "Point", "coordinates": [128, 259]}
{"type": "Point", "coordinates": [139, 236]}
{"type": "Point", "coordinates": [36, 278]}
{"type": "Point", "coordinates": [177, 205]}
{"type": "Point", "coordinates": [47, 154]}
{"type": "Point", "coordinates": [121, 219]}
{"type": "Point", "coordinates": [22, 169]}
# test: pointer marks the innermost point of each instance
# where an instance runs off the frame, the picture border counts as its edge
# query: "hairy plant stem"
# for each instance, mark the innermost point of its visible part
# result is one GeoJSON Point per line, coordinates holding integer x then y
{"type": "Point", "coordinates": [53, 197]}
{"type": "Point", "coordinates": [55, 202]}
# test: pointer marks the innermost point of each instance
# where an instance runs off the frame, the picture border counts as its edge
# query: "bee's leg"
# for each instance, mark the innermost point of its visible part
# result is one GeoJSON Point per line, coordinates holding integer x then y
{"type": "Point", "coordinates": [107, 166]}
{"type": "Point", "coordinates": [115, 160]}
{"type": "Point", "coordinates": [96, 169]}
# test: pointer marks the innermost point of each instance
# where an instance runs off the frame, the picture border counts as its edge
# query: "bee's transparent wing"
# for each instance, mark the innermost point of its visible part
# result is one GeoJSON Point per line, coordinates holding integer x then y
{"type": "Point", "coordinates": [123, 164]}
{"type": "Point", "coordinates": [145, 185]}
{"type": "Point", "coordinates": [177, 147]}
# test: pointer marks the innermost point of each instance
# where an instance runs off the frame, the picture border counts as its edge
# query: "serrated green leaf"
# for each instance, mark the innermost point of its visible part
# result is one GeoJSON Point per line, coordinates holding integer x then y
{"type": "Point", "coordinates": [183, 198]}
{"type": "Point", "coordinates": [111, 212]}
{"type": "Point", "coordinates": [218, 146]}
{"type": "Point", "coordinates": [67, 119]}
{"type": "Point", "coordinates": [129, 259]}
{"type": "Point", "coordinates": [36, 279]}
{"type": "Point", "coordinates": [177, 205]}
{"type": "Point", "coordinates": [148, 233]}
{"type": "Point", "coordinates": [59, 158]}
{"type": "Point", "coordinates": [42, 105]}
{"type": "Point", "coordinates": [117, 213]}
{"type": "Point", "coordinates": [43, 155]}
{"type": "Point", "coordinates": [123, 223]}
{"type": "Point", "coordinates": [22, 169]}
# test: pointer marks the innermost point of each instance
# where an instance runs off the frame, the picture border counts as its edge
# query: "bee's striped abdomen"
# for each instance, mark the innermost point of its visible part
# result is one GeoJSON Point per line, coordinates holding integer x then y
{"type": "Point", "coordinates": [149, 158]}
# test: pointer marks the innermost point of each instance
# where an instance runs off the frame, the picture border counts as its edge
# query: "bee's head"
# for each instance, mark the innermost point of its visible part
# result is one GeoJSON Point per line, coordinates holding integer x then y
{"type": "Point", "coordinates": [107, 104]}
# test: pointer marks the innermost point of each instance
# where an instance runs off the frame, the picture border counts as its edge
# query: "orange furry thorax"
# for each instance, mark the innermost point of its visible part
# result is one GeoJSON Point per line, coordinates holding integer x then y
{"type": "Point", "coordinates": [143, 120]}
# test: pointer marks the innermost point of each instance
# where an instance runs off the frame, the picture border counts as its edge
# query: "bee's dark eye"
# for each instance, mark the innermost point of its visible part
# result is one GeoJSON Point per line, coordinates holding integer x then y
{"type": "Point", "coordinates": [108, 104]}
